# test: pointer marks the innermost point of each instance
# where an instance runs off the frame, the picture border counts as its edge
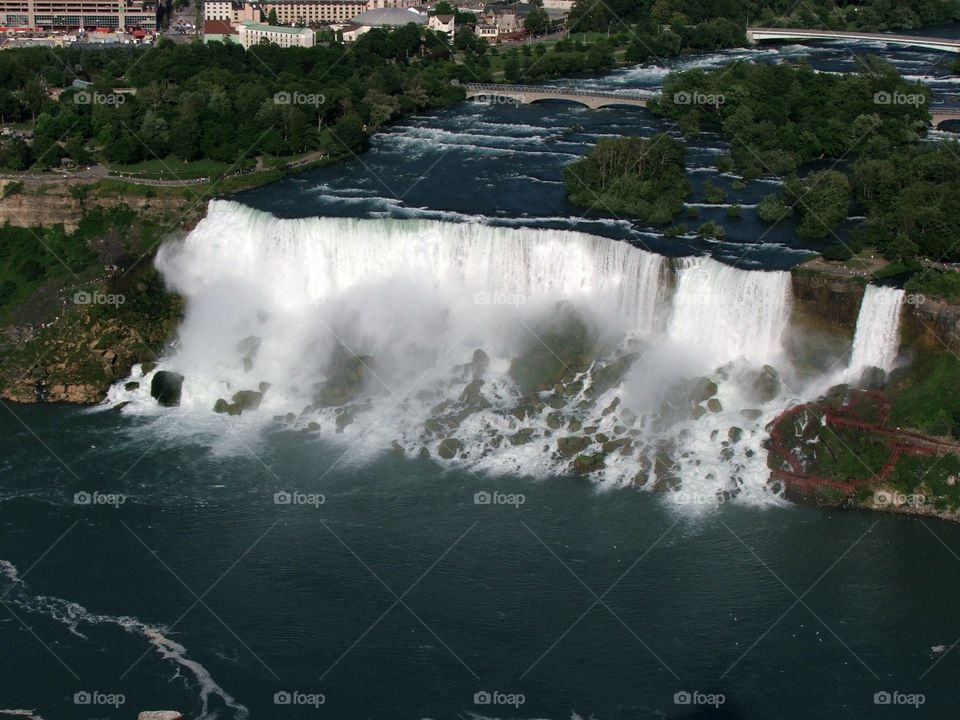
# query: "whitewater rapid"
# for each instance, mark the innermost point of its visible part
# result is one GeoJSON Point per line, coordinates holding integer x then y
{"type": "Point", "coordinates": [282, 307]}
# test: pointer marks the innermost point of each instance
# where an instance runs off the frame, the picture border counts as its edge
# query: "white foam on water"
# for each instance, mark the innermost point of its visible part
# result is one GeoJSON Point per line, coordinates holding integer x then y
{"type": "Point", "coordinates": [74, 615]}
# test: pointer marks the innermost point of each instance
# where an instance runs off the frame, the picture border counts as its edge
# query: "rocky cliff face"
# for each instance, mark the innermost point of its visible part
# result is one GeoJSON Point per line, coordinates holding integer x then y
{"type": "Point", "coordinates": [830, 306]}
{"type": "Point", "coordinates": [931, 325]}
{"type": "Point", "coordinates": [29, 210]}
{"type": "Point", "coordinates": [826, 302]}
{"type": "Point", "coordinates": [49, 205]}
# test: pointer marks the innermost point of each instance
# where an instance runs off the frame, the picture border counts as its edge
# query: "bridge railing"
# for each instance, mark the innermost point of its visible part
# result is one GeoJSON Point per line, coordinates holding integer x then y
{"type": "Point", "coordinates": [854, 35]}
{"type": "Point", "coordinates": [552, 90]}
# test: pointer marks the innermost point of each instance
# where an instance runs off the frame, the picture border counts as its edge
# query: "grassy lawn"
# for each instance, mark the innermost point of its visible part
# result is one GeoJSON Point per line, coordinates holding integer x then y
{"type": "Point", "coordinates": [936, 474]}
{"type": "Point", "coordinates": [927, 398]}
{"type": "Point", "coordinates": [175, 169]}
{"type": "Point", "coordinates": [848, 454]}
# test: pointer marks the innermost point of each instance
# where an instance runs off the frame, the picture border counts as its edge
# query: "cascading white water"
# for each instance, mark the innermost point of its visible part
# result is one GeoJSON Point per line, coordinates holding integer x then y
{"type": "Point", "coordinates": [730, 313]}
{"type": "Point", "coordinates": [308, 260]}
{"type": "Point", "coordinates": [276, 305]}
{"type": "Point", "coordinates": [877, 337]}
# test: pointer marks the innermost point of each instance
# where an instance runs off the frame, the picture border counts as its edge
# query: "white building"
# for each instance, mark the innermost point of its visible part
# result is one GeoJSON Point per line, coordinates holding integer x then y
{"type": "Point", "coordinates": [382, 18]}
{"type": "Point", "coordinates": [218, 10]}
{"type": "Point", "coordinates": [252, 34]}
{"type": "Point", "coordinates": [379, 4]}
{"type": "Point", "coordinates": [486, 32]}
{"type": "Point", "coordinates": [442, 24]}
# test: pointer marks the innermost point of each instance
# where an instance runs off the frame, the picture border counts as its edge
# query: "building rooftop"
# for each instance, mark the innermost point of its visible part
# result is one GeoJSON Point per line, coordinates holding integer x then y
{"type": "Point", "coordinates": [218, 27]}
{"type": "Point", "coordinates": [390, 16]}
{"type": "Point", "coordinates": [263, 27]}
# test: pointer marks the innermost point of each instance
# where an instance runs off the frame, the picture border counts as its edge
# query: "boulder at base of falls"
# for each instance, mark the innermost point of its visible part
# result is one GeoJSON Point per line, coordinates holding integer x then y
{"type": "Point", "coordinates": [345, 381]}
{"type": "Point", "coordinates": [555, 353]}
{"type": "Point", "coordinates": [479, 364]}
{"type": "Point", "coordinates": [242, 400]}
{"type": "Point", "coordinates": [166, 387]}
{"type": "Point", "coordinates": [612, 373]}
{"type": "Point", "coordinates": [247, 399]}
{"type": "Point", "coordinates": [873, 378]}
{"type": "Point", "coordinates": [449, 448]}
{"type": "Point", "coordinates": [588, 463]}
{"type": "Point", "coordinates": [701, 389]}
{"type": "Point", "coordinates": [571, 445]}
{"type": "Point", "coordinates": [765, 385]}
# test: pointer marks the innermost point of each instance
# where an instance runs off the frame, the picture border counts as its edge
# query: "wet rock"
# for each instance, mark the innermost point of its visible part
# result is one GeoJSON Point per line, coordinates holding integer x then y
{"type": "Point", "coordinates": [424, 454]}
{"type": "Point", "coordinates": [557, 402]}
{"type": "Point", "coordinates": [345, 381]}
{"type": "Point", "coordinates": [522, 437]}
{"type": "Point", "coordinates": [602, 438]}
{"type": "Point", "coordinates": [479, 364]}
{"type": "Point", "coordinates": [625, 445]}
{"type": "Point", "coordinates": [837, 396]}
{"type": "Point", "coordinates": [698, 412]}
{"type": "Point", "coordinates": [701, 389]}
{"type": "Point", "coordinates": [472, 396]}
{"type": "Point", "coordinates": [165, 388]}
{"type": "Point", "coordinates": [735, 434]}
{"type": "Point", "coordinates": [612, 373]}
{"type": "Point", "coordinates": [555, 355]}
{"type": "Point", "coordinates": [313, 426]}
{"type": "Point", "coordinates": [248, 348]}
{"type": "Point", "coordinates": [448, 448]}
{"type": "Point", "coordinates": [555, 420]}
{"type": "Point", "coordinates": [873, 378]}
{"type": "Point", "coordinates": [714, 405]}
{"type": "Point", "coordinates": [131, 386]}
{"type": "Point", "coordinates": [344, 418]}
{"type": "Point", "coordinates": [247, 399]}
{"type": "Point", "coordinates": [643, 474]}
{"type": "Point", "coordinates": [765, 385]}
{"type": "Point", "coordinates": [588, 463]}
{"type": "Point", "coordinates": [121, 405]}
{"type": "Point", "coordinates": [611, 407]}
{"type": "Point", "coordinates": [574, 425]}
{"type": "Point", "coordinates": [571, 445]}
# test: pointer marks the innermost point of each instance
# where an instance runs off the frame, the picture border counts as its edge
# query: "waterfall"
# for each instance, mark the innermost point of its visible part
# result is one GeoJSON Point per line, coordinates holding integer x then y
{"type": "Point", "coordinates": [729, 313]}
{"type": "Point", "coordinates": [295, 262]}
{"type": "Point", "coordinates": [370, 330]}
{"type": "Point", "coordinates": [877, 337]}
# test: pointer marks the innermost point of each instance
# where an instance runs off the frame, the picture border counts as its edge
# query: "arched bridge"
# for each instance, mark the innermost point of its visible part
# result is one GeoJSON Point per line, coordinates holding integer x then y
{"type": "Point", "coordinates": [594, 99]}
{"type": "Point", "coordinates": [532, 93]}
{"type": "Point", "coordinates": [941, 116]}
{"type": "Point", "coordinates": [756, 34]}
